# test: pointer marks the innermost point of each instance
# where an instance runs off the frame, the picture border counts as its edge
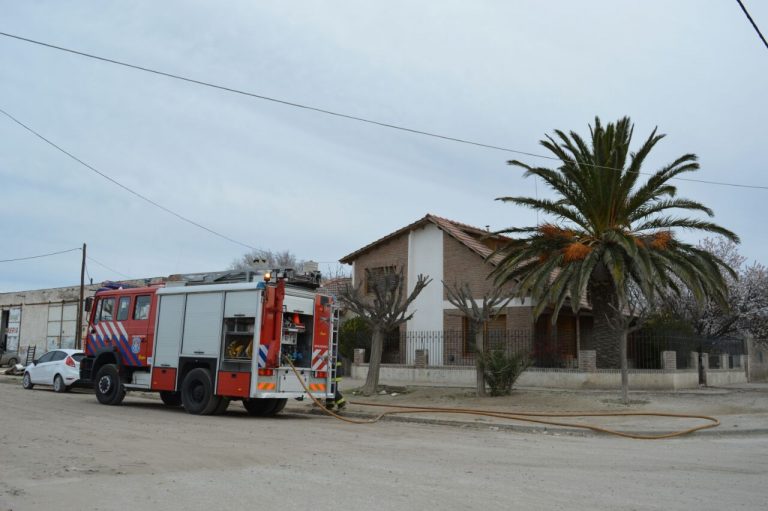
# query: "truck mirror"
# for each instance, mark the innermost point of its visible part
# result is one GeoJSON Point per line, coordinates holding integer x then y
{"type": "Point", "coordinates": [88, 304]}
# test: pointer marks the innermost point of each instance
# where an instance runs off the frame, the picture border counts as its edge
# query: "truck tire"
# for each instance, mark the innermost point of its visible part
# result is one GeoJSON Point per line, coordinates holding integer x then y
{"type": "Point", "coordinates": [222, 406]}
{"type": "Point", "coordinates": [58, 384]}
{"type": "Point", "coordinates": [109, 389]}
{"type": "Point", "coordinates": [280, 406]}
{"type": "Point", "coordinates": [171, 398]}
{"type": "Point", "coordinates": [197, 392]}
{"type": "Point", "coordinates": [264, 407]}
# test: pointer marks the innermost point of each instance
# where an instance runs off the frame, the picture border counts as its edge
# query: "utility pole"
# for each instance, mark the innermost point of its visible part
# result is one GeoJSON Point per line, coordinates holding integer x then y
{"type": "Point", "coordinates": [79, 331]}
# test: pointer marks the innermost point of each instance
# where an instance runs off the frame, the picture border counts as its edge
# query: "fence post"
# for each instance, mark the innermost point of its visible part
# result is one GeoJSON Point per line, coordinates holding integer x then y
{"type": "Point", "coordinates": [588, 360]}
{"type": "Point", "coordinates": [725, 361]}
{"type": "Point", "coordinates": [359, 356]}
{"type": "Point", "coordinates": [694, 360]}
{"type": "Point", "coordinates": [669, 360]}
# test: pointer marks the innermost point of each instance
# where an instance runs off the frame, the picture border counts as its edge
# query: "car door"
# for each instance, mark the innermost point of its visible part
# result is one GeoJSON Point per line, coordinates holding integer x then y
{"type": "Point", "coordinates": [54, 366]}
{"type": "Point", "coordinates": [38, 371]}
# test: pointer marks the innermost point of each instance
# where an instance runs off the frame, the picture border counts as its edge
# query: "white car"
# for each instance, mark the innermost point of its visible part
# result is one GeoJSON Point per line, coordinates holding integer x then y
{"type": "Point", "coordinates": [60, 368]}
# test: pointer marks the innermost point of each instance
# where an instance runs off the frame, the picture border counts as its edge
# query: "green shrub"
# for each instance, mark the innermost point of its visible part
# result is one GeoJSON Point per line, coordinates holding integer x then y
{"type": "Point", "coordinates": [501, 370]}
{"type": "Point", "coordinates": [354, 333]}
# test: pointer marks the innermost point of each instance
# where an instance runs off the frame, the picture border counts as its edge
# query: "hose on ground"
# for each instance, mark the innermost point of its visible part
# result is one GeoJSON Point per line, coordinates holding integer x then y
{"type": "Point", "coordinates": [532, 417]}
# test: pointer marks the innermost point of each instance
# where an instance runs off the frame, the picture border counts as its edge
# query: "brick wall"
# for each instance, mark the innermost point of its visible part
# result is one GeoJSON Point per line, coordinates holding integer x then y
{"type": "Point", "coordinates": [460, 264]}
{"type": "Point", "coordinates": [391, 253]}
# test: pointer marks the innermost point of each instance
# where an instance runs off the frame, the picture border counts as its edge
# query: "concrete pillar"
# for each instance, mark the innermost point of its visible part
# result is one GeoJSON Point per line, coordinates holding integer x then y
{"type": "Point", "coordinates": [743, 363]}
{"type": "Point", "coordinates": [694, 360]}
{"type": "Point", "coordinates": [587, 360]}
{"type": "Point", "coordinates": [669, 360]}
{"type": "Point", "coordinates": [725, 361]}
{"type": "Point", "coordinates": [359, 356]}
{"type": "Point", "coordinates": [421, 359]}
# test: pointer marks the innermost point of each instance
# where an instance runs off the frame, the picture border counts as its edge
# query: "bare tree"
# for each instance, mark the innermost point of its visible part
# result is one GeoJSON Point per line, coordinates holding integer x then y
{"type": "Point", "coordinates": [478, 316]}
{"type": "Point", "coordinates": [267, 259]}
{"type": "Point", "coordinates": [387, 310]}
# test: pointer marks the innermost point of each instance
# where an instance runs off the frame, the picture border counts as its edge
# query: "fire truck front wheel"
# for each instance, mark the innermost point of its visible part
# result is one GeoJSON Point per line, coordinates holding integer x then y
{"type": "Point", "coordinates": [197, 393]}
{"type": "Point", "coordinates": [109, 390]}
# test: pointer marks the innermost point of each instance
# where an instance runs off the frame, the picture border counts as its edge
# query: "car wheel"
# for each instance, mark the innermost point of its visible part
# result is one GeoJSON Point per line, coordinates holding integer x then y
{"type": "Point", "coordinates": [197, 393]}
{"type": "Point", "coordinates": [26, 382]}
{"type": "Point", "coordinates": [109, 389]}
{"type": "Point", "coordinates": [12, 362]}
{"type": "Point", "coordinates": [261, 407]}
{"type": "Point", "coordinates": [171, 398]}
{"type": "Point", "coordinates": [58, 384]}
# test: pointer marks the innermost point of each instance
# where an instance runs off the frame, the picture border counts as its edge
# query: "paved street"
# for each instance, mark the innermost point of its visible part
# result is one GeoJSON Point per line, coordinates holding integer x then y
{"type": "Point", "coordinates": [67, 450]}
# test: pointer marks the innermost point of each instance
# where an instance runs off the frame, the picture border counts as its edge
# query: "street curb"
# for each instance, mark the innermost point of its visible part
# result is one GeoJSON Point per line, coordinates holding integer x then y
{"type": "Point", "coordinates": [518, 428]}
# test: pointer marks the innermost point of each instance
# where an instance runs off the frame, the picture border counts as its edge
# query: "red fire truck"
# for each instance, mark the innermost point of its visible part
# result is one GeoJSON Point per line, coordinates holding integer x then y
{"type": "Point", "coordinates": [203, 344]}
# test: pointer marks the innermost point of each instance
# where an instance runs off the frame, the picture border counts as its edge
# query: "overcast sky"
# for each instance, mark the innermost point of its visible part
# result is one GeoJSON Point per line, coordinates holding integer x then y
{"type": "Point", "coordinates": [275, 177]}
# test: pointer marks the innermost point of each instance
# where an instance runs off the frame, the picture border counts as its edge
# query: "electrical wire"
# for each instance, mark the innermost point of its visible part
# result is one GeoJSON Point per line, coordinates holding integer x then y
{"type": "Point", "coordinates": [757, 29]}
{"type": "Point", "coordinates": [107, 267]}
{"type": "Point", "coordinates": [121, 185]}
{"type": "Point", "coordinates": [341, 114]}
{"type": "Point", "coordinates": [39, 256]}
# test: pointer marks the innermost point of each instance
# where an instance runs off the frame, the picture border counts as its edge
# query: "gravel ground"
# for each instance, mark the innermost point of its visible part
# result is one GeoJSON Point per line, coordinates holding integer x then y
{"type": "Point", "coordinates": [67, 451]}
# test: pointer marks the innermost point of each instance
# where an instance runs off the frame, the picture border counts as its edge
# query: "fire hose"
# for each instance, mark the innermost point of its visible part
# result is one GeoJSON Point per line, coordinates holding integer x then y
{"type": "Point", "coordinates": [532, 417]}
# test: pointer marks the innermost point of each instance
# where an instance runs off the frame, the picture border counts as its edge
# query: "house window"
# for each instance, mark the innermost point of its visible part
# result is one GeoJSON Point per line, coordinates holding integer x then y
{"type": "Point", "coordinates": [376, 274]}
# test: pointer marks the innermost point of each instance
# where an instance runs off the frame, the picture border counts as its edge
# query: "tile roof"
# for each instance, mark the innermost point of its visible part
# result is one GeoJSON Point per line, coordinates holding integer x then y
{"type": "Point", "coordinates": [467, 235]}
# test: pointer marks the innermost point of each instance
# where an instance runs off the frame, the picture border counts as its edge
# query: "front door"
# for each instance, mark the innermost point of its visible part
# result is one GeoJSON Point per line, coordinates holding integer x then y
{"type": "Point", "coordinates": [133, 323]}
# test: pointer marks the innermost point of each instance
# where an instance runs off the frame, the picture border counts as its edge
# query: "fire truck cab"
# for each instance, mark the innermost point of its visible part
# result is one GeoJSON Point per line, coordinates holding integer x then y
{"type": "Point", "coordinates": [202, 345]}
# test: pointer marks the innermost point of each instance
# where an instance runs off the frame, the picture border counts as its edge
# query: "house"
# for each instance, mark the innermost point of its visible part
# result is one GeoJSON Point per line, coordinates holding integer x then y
{"type": "Point", "coordinates": [453, 252]}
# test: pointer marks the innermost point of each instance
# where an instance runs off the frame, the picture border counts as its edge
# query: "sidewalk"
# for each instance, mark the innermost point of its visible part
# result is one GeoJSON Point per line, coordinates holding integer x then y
{"type": "Point", "coordinates": [742, 410]}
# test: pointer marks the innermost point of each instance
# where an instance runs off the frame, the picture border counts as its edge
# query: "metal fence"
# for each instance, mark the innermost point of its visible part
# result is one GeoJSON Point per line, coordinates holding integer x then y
{"type": "Point", "coordinates": [456, 348]}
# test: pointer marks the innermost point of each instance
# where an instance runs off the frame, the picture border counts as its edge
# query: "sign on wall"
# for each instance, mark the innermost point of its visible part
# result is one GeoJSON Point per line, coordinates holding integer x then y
{"type": "Point", "coordinates": [14, 326]}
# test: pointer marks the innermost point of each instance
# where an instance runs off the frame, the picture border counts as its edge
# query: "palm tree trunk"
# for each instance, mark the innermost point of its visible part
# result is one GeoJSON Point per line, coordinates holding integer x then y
{"type": "Point", "coordinates": [479, 363]}
{"type": "Point", "coordinates": [624, 371]}
{"type": "Point", "coordinates": [377, 345]}
{"type": "Point", "coordinates": [605, 309]}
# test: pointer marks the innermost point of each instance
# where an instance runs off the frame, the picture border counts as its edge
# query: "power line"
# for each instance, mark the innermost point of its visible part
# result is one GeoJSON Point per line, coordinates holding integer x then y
{"type": "Point", "coordinates": [341, 114]}
{"type": "Point", "coordinates": [757, 29]}
{"type": "Point", "coordinates": [124, 187]}
{"type": "Point", "coordinates": [39, 256]}
{"type": "Point", "coordinates": [108, 268]}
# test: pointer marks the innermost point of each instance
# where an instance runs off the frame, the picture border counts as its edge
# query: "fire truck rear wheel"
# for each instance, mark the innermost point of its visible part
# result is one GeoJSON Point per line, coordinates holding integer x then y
{"type": "Point", "coordinates": [265, 407]}
{"type": "Point", "coordinates": [109, 389]}
{"type": "Point", "coordinates": [171, 398]}
{"type": "Point", "coordinates": [222, 406]}
{"type": "Point", "coordinates": [197, 392]}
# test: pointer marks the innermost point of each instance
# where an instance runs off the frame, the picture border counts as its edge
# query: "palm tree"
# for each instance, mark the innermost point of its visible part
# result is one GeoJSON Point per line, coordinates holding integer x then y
{"type": "Point", "coordinates": [609, 233]}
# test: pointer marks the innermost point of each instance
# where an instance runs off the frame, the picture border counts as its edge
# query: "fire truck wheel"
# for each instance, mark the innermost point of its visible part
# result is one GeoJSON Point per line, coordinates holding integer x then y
{"type": "Point", "coordinates": [279, 406]}
{"type": "Point", "coordinates": [171, 398]}
{"type": "Point", "coordinates": [263, 407]}
{"type": "Point", "coordinates": [197, 392]}
{"type": "Point", "coordinates": [222, 406]}
{"type": "Point", "coordinates": [109, 390]}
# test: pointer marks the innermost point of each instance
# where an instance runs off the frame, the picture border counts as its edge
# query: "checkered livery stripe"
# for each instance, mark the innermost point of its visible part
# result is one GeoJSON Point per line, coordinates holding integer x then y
{"type": "Point", "coordinates": [112, 333]}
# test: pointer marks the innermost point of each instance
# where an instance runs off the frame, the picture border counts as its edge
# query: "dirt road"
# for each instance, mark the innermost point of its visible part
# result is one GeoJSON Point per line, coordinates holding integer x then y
{"type": "Point", "coordinates": [69, 452]}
